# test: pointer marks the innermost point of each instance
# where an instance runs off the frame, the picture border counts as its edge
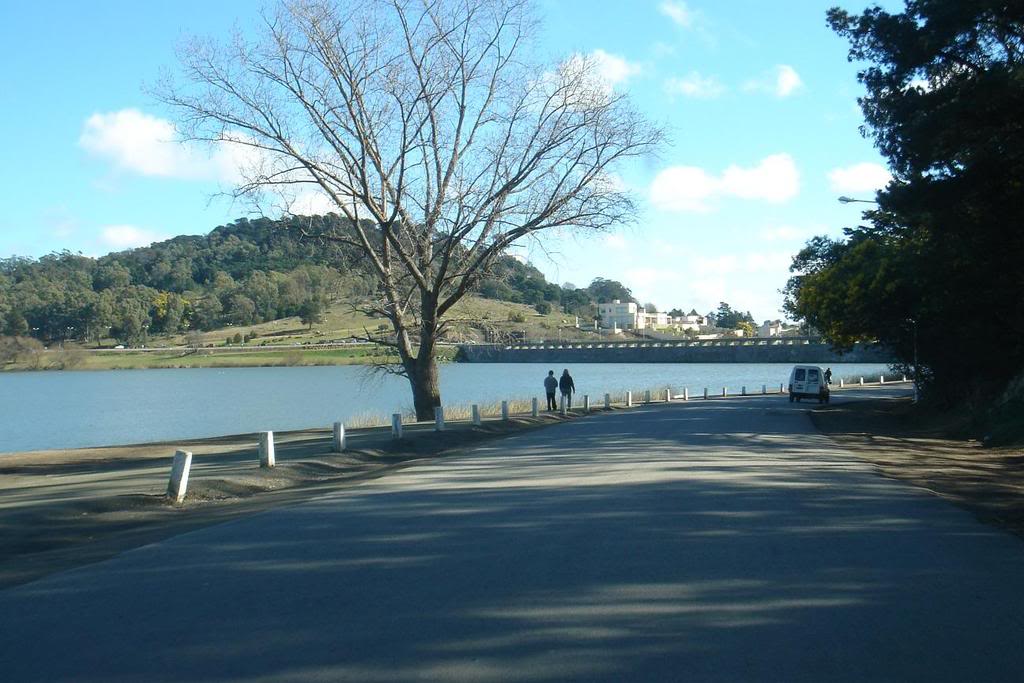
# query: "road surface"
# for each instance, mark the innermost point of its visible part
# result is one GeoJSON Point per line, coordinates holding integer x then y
{"type": "Point", "coordinates": [713, 541]}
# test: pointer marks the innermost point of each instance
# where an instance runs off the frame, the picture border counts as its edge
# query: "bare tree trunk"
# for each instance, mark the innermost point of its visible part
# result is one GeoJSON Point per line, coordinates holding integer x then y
{"type": "Point", "coordinates": [426, 389]}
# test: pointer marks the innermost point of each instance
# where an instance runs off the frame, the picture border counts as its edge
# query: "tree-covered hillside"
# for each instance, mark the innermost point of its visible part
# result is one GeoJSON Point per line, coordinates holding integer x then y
{"type": "Point", "coordinates": [247, 272]}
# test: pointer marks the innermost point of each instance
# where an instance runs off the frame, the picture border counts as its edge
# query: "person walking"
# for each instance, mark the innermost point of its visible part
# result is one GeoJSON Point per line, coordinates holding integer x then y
{"type": "Point", "coordinates": [568, 387]}
{"type": "Point", "coordinates": [828, 375]}
{"type": "Point", "coordinates": [550, 385]}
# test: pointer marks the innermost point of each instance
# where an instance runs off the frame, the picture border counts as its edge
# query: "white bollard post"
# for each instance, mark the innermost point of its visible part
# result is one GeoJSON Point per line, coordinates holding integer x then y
{"type": "Point", "coordinates": [686, 393]}
{"type": "Point", "coordinates": [904, 378]}
{"type": "Point", "coordinates": [534, 408]}
{"type": "Point", "coordinates": [396, 425]}
{"type": "Point", "coordinates": [476, 414]}
{"type": "Point", "coordinates": [561, 405]}
{"type": "Point", "coordinates": [629, 399]}
{"type": "Point", "coordinates": [267, 459]}
{"type": "Point", "coordinates": [705, 393]}
{"type": "Point", "coordinates": [438, 418]}
{"type": "Point", "coordinates": [764, 389]}
{"type": "Point", "coordinates": [180, 467]}
{"type": "Point", "coordinates": [841, 383]}
{"type": "Point", "coordinates": [586, 403]}
{"type": "Point", "coordinates": [743, 390]}
{"type": "Point", "coordinates": [647, 396]}
{"type": "Point", "coordinates": [338, 440]}
{"type": "Point", "coordinates": [725, 392]}
{"type": "Point", "coordinates": [782, 389]}
{"type": "Point", "coordinates": [504, 411]}
{"type": "Point", "coordinates": [862, 381]}
{"type": "Point", "coordinates": [607, 401]}
{"type": "Point", "coordinates": [668, 395]}
{"type": "Point", "coordinates": [881, 379]}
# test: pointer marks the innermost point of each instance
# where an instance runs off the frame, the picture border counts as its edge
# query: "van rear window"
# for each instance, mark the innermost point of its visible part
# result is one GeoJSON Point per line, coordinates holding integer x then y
{"type": "Point", "coordinates": [800, 374]}
{"type": "Point", "coordinates": [812, 375]}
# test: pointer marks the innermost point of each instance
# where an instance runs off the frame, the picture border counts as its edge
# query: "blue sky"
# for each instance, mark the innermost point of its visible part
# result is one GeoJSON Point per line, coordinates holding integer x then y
{"type": "Point", "coordinates": [758, 98]}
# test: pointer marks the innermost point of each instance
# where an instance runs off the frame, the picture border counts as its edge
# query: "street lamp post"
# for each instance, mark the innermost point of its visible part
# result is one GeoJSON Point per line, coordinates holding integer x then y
{"type": "Point", "coordinates": [851, 200]}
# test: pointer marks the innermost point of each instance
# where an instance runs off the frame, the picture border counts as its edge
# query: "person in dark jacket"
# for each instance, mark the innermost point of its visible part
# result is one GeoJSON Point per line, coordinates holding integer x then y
{"type": "Point", "coordinates": [568, 388]}
{"type": "Point", "coordinates": [550, 385]}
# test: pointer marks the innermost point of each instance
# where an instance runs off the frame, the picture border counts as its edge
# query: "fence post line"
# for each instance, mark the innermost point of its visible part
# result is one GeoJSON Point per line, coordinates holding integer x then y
{"type": "Point", "coordinates": [862, 381]}
{"type": "Point", "coordinates": [647, 396]}
{"type": "Point", "coordinates": [586, 403]}
{"type": "Point", "coordinates": [504, 411]}
{"type": "Point", "coordinates": [475, 410]}
{"type": "Point", "coordinates": [338, 440]}
{"type": "Point", "coordinates": [267, 459]}
{"type": "Point", "coordinates": [534, 408]}
{"type": "Point", "coordinates": [438, 418]}
{"type": "Point", "coordinates": [178, 483]}
{"type": "Point", "coordinates": [743, 390]}
{"type": "Point", "coordinates": [607, 401]}
{"type": "Point", "coordinates": [881, 379]}
{"type": "Point", "coordinates": [705, 393]}
{"type": "Point", "coordinates": [841, 383]}
{"type": "Point", "coordinates": [396, 425]}
{"type": "Point", "coordinates": [629, 399]}
{"type": "Point", "coordinates": [725, 392]}
{"type": "Point", "coordinates": [668, 395]}
{"type": "Point", "coordinates": [686, 393]}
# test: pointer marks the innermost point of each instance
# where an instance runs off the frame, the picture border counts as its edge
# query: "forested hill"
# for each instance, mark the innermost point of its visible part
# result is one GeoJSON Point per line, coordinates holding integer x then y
{"type": "Point", "coordinates": [246, 272]}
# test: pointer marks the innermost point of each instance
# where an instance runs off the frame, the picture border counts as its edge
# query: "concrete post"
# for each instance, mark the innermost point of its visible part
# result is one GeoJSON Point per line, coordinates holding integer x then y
{"type": "Point", "coordinates": [862, 381]}
{"type": "Point", "coordinates": [396, 425]}
{"type": "Point", "coordinates": [668, 395]}
{"type": "Point", "coordinates": [725, 392]}
{"type": "Point", "coordinates": [607, 401]}
{"type": "Point", "coordinates": [476, 414]}
{"type": "Point", "coordinates": [743, 390]}
{"type": "Point", "coordinates": [705, 393]}
{"type": "Point", "coordinates": [841, 383]}
{"type": "Point", "coordinates": [881, 379]}
{"type": "Point", "coordinates": [504, 411]}
{"type": "Point", "coordinates": [338, 440]}
{"type": "Point", "coordinates": [586, 403]}
{"type": "Point", "coordinates": [782, 389]}
{"type": "Point", "coordinates": [904, 378]}
{"type": "Point", "coordinates": [686, 393]}
{"type": "Point", "coordinates": [534, 408]}
{"type": "Point", "coordinates": [561, 404]}
{"type": "Point", "coordinates": [438, 418]}
{"type": "Point", "coordinates": [629, 399]}
{"type": "Point", "coordinates": [267, 449]}
{"type": "Point", "coordinates": [180, 467]}
{"type": "Point", "coordinates": [764, 389]}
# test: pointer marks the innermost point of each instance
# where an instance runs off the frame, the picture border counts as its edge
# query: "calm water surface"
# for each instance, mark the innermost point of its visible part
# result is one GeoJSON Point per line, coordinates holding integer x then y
{"type": "Point", "coordinates": [43, 410]}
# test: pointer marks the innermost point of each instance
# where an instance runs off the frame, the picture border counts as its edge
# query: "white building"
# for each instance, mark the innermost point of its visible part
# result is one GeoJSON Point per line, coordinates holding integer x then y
{"type": "Point", "coordinates": [770, 328]}
{"type": "Point", "coordinates": [622, 316]}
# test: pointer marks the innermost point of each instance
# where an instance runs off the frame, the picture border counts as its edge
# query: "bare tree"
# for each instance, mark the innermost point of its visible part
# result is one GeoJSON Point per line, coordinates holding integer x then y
{"type": "Point", "coordinates": [430, 127]}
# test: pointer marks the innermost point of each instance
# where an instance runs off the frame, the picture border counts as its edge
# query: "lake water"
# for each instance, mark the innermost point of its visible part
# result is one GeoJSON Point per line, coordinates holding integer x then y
{"type": "Point", "coordinates": [44, 410]}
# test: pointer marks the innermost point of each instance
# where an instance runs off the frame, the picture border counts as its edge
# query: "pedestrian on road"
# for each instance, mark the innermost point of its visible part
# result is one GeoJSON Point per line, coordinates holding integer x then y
{"type": "Point", "coordinates": [550, 385]}
{"type": "Point", "coordinates": [828, 375]}
{"type": "Point", "coordinates": [568, 388]}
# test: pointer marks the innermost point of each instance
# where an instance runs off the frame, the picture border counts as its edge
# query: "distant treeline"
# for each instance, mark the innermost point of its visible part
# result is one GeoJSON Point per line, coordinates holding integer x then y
{"type": "Point", "coordinates": [243, 273]}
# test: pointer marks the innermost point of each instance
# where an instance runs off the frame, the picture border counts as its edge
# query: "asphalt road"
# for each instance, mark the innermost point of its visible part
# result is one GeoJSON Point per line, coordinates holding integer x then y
{"type": "Point", "coordinates": [713, 541]}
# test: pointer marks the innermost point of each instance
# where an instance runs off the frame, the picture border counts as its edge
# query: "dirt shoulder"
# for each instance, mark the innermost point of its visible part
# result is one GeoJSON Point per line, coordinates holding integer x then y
{"type": "Point", "coordinates": [918, 449]}
{"type": "Point", "coordinates": [66, 508]}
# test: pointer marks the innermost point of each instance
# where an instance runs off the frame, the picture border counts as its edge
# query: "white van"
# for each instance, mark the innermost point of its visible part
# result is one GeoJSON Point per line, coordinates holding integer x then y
{"type": "Point", "coordinates": [808, 381]}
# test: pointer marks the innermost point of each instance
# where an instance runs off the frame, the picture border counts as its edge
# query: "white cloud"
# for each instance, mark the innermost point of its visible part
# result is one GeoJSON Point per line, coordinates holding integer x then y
{"type": "Point", "coordinates": [617, 242]}
{"type": "Point", "coordinates": [688, 188]}
{"type": "Point", "coordinates": [694, 85]}
{"type": "Point", "coordinates": [781, 81]}
{"type": "Point", "coordinates": [864, 177]}
{"type": "Point", "coordinates": [614, 69]}
{"type": "Point", "coordinates": [678, 12]}
{"type": "Point", "coordinates": [128, 236]}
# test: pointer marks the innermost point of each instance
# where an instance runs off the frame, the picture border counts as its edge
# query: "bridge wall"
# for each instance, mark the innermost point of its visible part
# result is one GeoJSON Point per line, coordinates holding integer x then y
{"type": "Point", "coordinates": [669, 352]}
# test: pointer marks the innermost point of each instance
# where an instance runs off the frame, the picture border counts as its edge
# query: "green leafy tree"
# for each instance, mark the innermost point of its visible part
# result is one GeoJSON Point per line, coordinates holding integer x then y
{"type": "Point", "coordinates": [944, 91]}
{"type": "Point", "coordinates": [311, 311]}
